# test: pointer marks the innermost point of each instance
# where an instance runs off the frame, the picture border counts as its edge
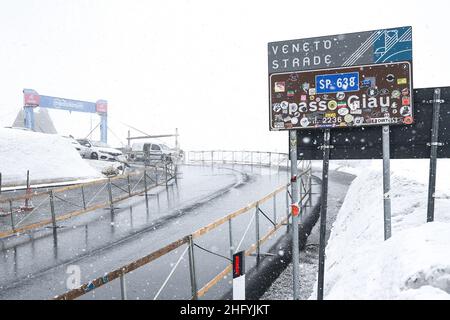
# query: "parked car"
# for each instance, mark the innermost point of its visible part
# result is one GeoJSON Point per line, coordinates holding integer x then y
{"type": "Point", "coordinates": [151, 151]}
{"type": "Point", "coordinates": [82, 150]}
{"type": "Point", "coordinates": [100, 151]}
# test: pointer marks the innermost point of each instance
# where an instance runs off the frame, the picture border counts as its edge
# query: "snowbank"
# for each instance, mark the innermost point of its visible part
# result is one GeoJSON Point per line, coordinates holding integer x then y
{"type": "Point", "coordinates": [106, 167]}
{"type": "Point", "coordinates": [414, 263]}
{"type": "Point", "coordinates": [49, 158]}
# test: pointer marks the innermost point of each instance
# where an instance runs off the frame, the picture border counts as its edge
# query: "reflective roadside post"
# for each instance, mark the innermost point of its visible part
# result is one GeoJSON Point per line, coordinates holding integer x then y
{"type": "Point", "coordinates": [239, 276]}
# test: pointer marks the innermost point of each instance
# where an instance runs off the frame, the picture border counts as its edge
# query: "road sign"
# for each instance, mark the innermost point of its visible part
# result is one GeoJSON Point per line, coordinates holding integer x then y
{"type": "Point", "coordinates": [407, 142]}
{"type": "Point", "coordinates": [350, 80]}
{"type": "Point", "coordinates": [32, 99]}
{"type": "Point", "coordinates": [311, 80]}
{"type": "Point", "coordinates": [344, 97]}
{"type": "Point", "coordinates": [344, 50]}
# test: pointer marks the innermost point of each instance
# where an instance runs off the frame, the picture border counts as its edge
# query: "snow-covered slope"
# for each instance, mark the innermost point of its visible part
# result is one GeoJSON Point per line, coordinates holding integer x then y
{"type": "Point", "coordinates": [49, 158]}
{"type": "Point", "coordinates": [414, 263]}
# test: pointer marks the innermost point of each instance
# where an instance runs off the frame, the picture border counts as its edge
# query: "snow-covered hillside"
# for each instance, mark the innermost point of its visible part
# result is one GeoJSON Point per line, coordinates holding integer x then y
{"type": "Point", "coordinates": [49, 158]}
{"type": "Point", "coordinates": [414, 263]}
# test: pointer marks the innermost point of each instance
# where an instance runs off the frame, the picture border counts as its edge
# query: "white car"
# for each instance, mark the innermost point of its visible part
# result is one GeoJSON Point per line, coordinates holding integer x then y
{"type": "Point", "coordinates": [154, 151]}
{"type": "Point", "coordinates": [82, 150]}
{"type": "Point", "coordinates": [100, 151]}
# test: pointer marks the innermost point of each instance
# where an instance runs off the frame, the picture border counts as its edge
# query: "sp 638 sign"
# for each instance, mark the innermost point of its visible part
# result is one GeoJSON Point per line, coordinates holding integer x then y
{"type": "Point", "coordinates": [341, 82]}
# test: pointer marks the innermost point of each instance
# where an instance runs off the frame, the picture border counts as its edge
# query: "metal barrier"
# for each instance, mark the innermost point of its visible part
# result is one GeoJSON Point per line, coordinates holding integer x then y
{"type": "Point", "coordinates": [261, 158]}
{"type": "Point", "coordinates": [189, 242]}
{"type": "Point", "coordinates": [46, 208]}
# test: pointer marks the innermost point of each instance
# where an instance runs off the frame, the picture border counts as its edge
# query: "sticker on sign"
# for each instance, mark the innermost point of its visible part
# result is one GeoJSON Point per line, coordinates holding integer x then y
{"type": "Point", "coordinates": [342, 97]}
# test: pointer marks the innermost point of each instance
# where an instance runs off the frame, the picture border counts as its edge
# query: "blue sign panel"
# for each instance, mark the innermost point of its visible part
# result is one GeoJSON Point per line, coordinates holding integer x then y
{"type": "Point", "coordinates": [67, 104]}
{"type": "Point", "coordinates": [341, 82]}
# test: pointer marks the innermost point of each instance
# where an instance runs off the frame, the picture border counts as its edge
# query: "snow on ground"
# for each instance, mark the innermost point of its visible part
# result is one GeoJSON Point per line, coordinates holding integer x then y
{"type": "Point", "coordinates": [106, 167]}
{"type": "Point", "coordinates": [414, 263]}
{"type": "Point", "coordinates": [50, 158]}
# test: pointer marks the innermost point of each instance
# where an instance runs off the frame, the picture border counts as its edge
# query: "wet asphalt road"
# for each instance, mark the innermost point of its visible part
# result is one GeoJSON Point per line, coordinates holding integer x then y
{"type": "Point", "coordinates": [71, 200]}
{"type": "Point", "coordinates": [33, 267]}
{"type": "Point", "coordinates": [98, 242]}
{"type": "Point", "coordinates": [281, 289]}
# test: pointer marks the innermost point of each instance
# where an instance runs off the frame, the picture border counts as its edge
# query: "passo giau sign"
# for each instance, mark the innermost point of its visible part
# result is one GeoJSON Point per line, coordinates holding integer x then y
{"type": "Point", "coordinates": [342, 97]}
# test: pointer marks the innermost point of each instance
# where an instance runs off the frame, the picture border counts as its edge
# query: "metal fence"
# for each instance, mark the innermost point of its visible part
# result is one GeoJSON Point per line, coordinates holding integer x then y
{"type": "Point", "coordinates": [266, 209]}
{"type": "Point", "coordinates": [261, 158]}
{"type": "Point", "coordinates": [38, 209]}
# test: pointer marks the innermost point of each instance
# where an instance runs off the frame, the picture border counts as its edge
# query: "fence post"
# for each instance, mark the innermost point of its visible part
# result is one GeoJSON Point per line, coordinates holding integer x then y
{"type": "Point", "coordinates": [257, 234]}
{"type": "Point", "coordinates": [12, 216]}
{"type": "Point", "coordinates": [165, 172]}
{"type": "Point", "coordinates": [83, 198]}
{"type": "Point", "coordinates": [310, 185]}
{"type": "Point", "coordinates": [156, 176]}
{"type": "Point", "coordinates": [278, 163]}
{"type": "Point", "coordinates": [123, 288]}
{"type": "Point", "coordinates": [192, 271]}
{"type": "Point", "coordinates": [275, 208]}
{"type": "Point", "coordinates": [111, 203]}
{"type": "Point", "coordinates": [0, 183]}
{"type": "Point", "coordinates": [27, 200]}
{"type": "Point", "coordinates": [287, 208]}
{"type": "Point", "coordinates": [230, 233]}
{"type": "Point", "coordinates": [300, 182]}
{"type": "Point", "coordinates": [52, 210]}
{"type": "Point", "coordinates": [145, 188]}
{"type": "Point", "coordinates": [129, 185]}
{"type": "Point", "coordinates": [176, 172]}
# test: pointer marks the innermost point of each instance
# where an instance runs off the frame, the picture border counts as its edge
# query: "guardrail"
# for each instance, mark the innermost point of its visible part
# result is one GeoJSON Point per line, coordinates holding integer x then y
{"type": "Point", "coordinates": [189, 241]}
{"type": "Point", "coordinates": [262, 158]}
{"type": "Point", "coordinates": [57, 204]}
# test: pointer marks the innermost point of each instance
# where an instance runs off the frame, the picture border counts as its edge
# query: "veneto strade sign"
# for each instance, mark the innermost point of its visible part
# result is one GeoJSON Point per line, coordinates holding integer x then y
{"type": "Point", "coordinates": [357, 79]}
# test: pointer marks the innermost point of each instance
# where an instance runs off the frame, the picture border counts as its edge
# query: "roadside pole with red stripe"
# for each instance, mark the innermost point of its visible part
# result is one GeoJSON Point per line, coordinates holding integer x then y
{"type": "Point", "coordinates": [239, 276]}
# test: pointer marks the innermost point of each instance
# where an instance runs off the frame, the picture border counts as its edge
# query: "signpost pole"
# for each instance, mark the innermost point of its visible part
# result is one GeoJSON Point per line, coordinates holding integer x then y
{"type": "Point", "coordinates": [433, 154]}
{"type": "Point", "coordinates": [323, 213]}
{"type": "Point", "coordinates": [386, 182]}
{"type": "Point", "coordinates": [294, 193]}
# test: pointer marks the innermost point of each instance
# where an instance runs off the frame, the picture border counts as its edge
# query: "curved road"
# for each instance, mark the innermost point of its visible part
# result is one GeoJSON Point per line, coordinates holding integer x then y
{"type": "Point", "coordinates": [97, 242]}
{"type": "Point", "coordinates": [33, 267]}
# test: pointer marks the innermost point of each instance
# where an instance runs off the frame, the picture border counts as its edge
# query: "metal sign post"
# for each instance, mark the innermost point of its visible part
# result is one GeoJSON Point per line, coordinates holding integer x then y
{"type": "Point", "coordinates": [323, 212]}
{"type": "Point", "coordinates": [386, 182]}
{"type": "Point", "coordinates": [295, 196]}
{"type": "Point", "coordinates": [433, 154]}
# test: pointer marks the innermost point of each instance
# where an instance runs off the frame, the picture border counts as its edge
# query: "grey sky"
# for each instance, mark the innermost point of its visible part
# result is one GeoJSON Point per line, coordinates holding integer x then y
{"type": "Point", "coordinates": [200, 66]}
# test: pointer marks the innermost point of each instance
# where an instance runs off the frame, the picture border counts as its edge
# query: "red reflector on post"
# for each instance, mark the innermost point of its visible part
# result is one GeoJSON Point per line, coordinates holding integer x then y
{"type": "Point", "coordinates": [238, 264]}
{"type": "Point", "coordinates": [237, 269]}
{"type": "Point", "coordinates": [295, 209]}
